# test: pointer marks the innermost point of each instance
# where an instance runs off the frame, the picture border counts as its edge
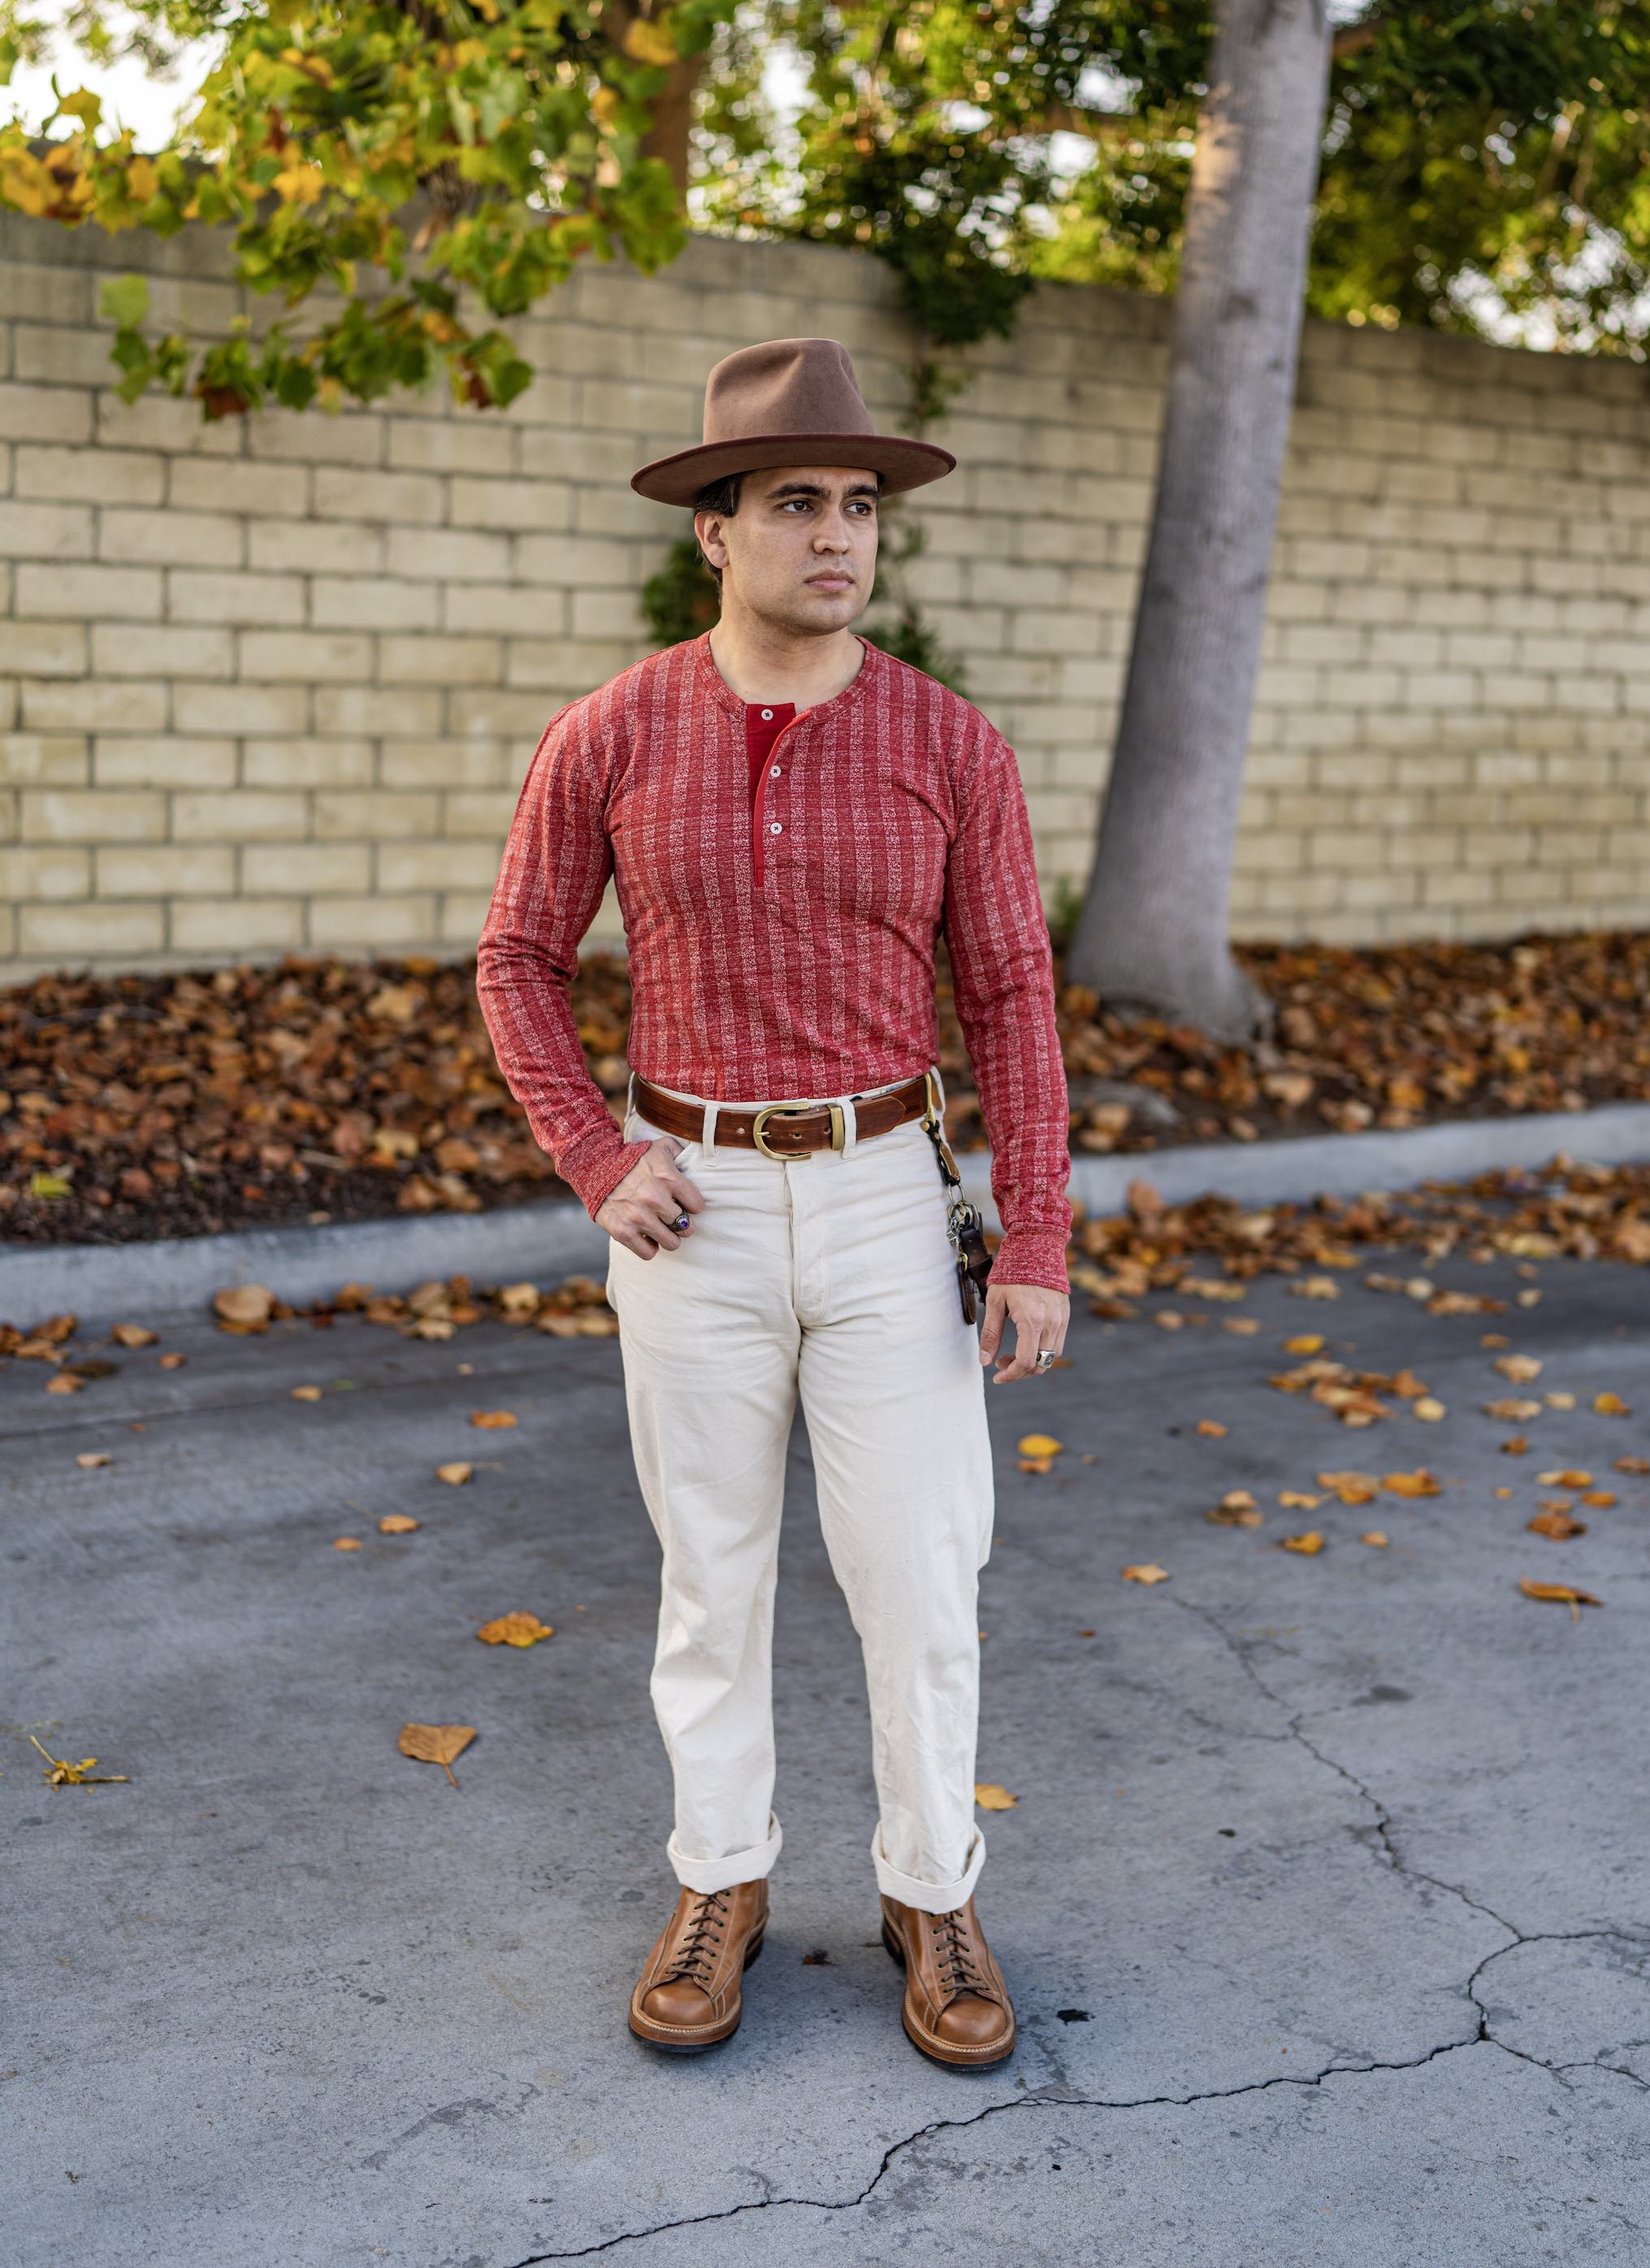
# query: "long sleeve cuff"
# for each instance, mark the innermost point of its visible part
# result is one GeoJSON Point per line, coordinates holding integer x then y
{"type": "Point", "coordinates": [1031, 1256]}
{"type": "Point", "coordinates": [594, 1165]}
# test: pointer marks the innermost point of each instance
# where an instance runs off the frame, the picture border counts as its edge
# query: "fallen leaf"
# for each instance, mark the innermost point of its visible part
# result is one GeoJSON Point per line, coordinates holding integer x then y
{"type": "Point", "coordinates": [1151, 1572]}
{"type": "Point", "coordinates": [1309, 1543]}
{"type": "Point", "coordinates": [134, 1335]}
{"type": "Point", "coordinates": [1212, 1429]}
{"type": "Point", "coordinates": [1241, 1327]}
{"type": "Point", "coordinates": [455, 1474]}
{"type": "Point", "coordinates": [1299, 1501]}
{"type": "Point", "coordinates": [1602, 1498]}
{"type": "Point", "coordinates": [1419, 1483]}
{"type": "Point", "coordinates": [1563, 1592]}
{"type": "Point", "coordinates": [1351, 1488]}
{"type": "Point", "coordinates": [492, 1420]}
{"type": "Point", "coordinates": [347, 1543]}
{"type": "Point", "coordinates": [1560, 1401]}
{"type": "Point", "coordinates": [1170, 1319]}
{"type": "Point", "coordinates": [1375, 1535]}
{"type": "Point", "coordinates": [1038, 1445]}
{"type": "Point", "coordinates": [1316, 1287]}
{"type": "Point", "coordinates": [1304, 1343]}
{"type": "Point", "coordinates": [1633, 1464]}
{"type": "Point", "coordinates": [1610, 1405]}
{"type": "Point", "coordinates": [397, 1523]}
{"type": "Point", "coordinates": [990, 1797]}
{"type": "Point", "coordinates": [1428, 1408]}
{"type": "Point", "coordinates": [173, 1361]}
{"type": "Point", "coordinates": [436, 1744]}
{"type": "Point", "coordinates": [517, 1629]}
{"type": "Point", "coordinates": [1557, 1523]}
{"type": "Point", "coordinates": [64, 1381]}
{"type": "Point", "coordinates": [1518, 1368]}
{"type": "Point", "coordinates": [1516, 1445]}
{"type": "Point", "coordinates": [1512, 1410]}
{"type": "Point", "coordinates": [1037, 1464]}
{"type": "Point", "coordinates": [1503, 1492]}
{"type": "Point", "coordinates": [1566, 1478]}
{"type": "Point", "coordinates": [1228, 1514]}
{"type": "Point", "coordinates": [306, 1393]}
{"type": "Point", "coordinates": [90, 1458]}
{"type": "Point", "coordinates": [63, 1774]}
{"type": "Point", "coordinates": [244, 1306]}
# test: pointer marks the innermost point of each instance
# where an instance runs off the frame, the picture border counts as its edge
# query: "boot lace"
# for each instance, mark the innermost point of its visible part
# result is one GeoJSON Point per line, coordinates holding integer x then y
{"type": "Point", "coordinates": [701, 1939]}
{"type": "Point", "coordinates": [956, 1955]}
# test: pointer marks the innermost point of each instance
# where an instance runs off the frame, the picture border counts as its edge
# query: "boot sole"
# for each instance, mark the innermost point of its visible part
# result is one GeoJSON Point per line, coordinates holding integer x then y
{"type": "Point", "coordinates": [711, 2039]}
{"type": "Point", "coordinates": [937, 2050]}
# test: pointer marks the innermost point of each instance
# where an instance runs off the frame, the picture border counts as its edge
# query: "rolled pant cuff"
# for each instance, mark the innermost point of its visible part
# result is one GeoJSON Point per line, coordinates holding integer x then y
{"type": "Point", "coordinates": [928, 1898]}
{"type": "Point", "coordinates": [707, 1875]}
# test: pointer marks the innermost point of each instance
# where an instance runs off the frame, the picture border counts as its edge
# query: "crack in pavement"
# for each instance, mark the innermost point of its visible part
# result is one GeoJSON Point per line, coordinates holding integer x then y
{"type": "Point", "coordinates": [1043, 2099]}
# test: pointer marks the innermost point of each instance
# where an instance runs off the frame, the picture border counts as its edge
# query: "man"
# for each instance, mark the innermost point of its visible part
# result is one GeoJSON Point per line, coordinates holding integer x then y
{"type": "Point", "coordinates": [791, 817]}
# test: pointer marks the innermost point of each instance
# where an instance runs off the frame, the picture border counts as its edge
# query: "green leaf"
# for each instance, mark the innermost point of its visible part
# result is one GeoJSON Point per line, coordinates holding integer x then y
{"type": "Point", "coordinates": [124, 299]}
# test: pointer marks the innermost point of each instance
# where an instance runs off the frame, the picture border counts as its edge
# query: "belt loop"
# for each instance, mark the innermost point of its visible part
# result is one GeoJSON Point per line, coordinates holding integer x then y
{"type": "Point", "coordinates": [630, 1104]}
{"type": "Point", "coordinates": [850, 1126]}
{"type": "Point", "coordinates": [707, 1134]}
{"type": "Point", "coordinates": [940, 1083]}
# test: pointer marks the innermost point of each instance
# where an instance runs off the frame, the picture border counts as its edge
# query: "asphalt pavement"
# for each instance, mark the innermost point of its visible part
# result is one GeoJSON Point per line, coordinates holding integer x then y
{"type": "Point", "coordinates": [1324, 1900]}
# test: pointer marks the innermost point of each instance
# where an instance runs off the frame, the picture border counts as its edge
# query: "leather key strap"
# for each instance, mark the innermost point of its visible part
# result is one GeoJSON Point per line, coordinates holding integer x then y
{"type": "Point", "coordinates": [786, 1129]}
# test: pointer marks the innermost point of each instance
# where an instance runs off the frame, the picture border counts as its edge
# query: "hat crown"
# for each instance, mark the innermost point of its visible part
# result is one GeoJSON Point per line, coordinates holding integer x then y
{"type": "Point", "coordinates": [784, 387]}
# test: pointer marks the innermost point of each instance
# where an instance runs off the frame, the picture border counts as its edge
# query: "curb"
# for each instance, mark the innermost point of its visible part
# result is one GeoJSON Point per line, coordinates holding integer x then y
{"type": "Point", "coordinates": [559, 1237]}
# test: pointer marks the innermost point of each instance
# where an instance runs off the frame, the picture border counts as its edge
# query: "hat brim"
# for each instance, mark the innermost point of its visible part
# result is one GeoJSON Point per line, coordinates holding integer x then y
{"type": "Point", "coordinates": [903, 464]}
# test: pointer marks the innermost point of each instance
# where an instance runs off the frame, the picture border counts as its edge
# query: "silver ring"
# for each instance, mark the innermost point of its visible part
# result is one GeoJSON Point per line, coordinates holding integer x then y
{"type": "Point", "coordinates": [681, 1221]}
{"type": "Point", "coordinates": [1046, 1359]}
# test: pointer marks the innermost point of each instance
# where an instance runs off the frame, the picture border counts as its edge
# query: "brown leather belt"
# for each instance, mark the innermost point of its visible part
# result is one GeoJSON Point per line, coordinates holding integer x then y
{"type": "Point", "coordinates": [785, 1130]}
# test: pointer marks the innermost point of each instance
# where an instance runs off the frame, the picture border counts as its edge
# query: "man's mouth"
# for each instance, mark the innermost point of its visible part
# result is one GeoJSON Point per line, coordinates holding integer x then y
{"type": "Point", "coordinates": [833, 582]}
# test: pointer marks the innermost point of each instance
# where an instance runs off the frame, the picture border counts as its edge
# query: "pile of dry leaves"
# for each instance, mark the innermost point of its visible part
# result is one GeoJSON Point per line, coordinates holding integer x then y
{"type": "Point", "coordinates": [141, 1105]}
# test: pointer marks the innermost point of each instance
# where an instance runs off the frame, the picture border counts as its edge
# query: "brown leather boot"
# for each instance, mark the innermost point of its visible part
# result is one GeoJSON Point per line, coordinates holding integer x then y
{"type": "Point", "coordinates": [688, 1996]}
{"type": "Point", "coordinates": [957, 2007]}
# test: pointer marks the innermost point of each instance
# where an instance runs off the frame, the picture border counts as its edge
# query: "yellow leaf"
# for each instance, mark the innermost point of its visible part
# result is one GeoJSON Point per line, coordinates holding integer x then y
{"type": "Point", "coordinates": [1560, 1401]}
{"type": "Point", "coordinates": [64, 1381]}
{"type": "Point", "coordinates": [1610, 1405]}
{"type": "Point", "coordinates": [1151, 1572]}
{"type": "Point", "coordinates": [347, 1543]}
{"type": "Point", "coordinates": [1170, 1319]}
{"type": "Point", "coordinates": [306, 1394]}
{"type": "Point", "coordinates": [1375, 1535]}
{"type": "Point", "coordinates": [397, 1523]}
{"type": "Point", "coordinates": [1600, 1497]}
{"type": "Point", "coordinates": [1521, 1368]}
{"type": "Point", "coordinates": [454, 1473]}
{"type": "Point", "coordinates": [1419, 1483]}
{"type": "Point", "coordinates": [1633, 1464]}
{"type": "Point", "coordinates": [246, 1307]}
{"type": "Point", "coordinates": [63, 1774]}
{"type": "Point", "coordinates": [1241, 1327]}
{"type": "Point", "coordinates": [1300, 1500]}
{"type": "Point", "coordinates": [90, 1458]}
{"type": "Point", "coordinates": [1566, 1478]}
{"type": "Point", "coordinates": [134, 1335]}
{"type": "Point", "coordinates": [990, 1797]}
{"type": "Point", "coordinates": [436, 1744]}
{"type": "Point", "coordinates": [1212, 1429]}
{"type": "Point", "coordinates": [1038, 1445]}
{"type": "Point", "coordinates": [1304, 1343]}
{"type": "Point", "coordinates": [1556, 1522]}
{"type": "Point", "coordinates": [650, 43]}
{"type": "Point", "coordinates": [1512, 1410]}
{"type": "Point", "coordinates": [517, 1629]}
{"type": "Point", "coordinates": [1316, 1287]}
{"type": "Point", "coordinates": [1309, 1543]}
{"type": "Point", "coordinates": [1428, 1408]}
{"type": "Point", "coordinates": [491, 1421]}
{"type": "Point", "coordinates": [1566, 1594]}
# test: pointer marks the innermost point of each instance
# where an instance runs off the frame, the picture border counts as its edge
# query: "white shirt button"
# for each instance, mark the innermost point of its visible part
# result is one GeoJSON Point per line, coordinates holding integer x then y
{"type": "Point", "coordinates": [767, 716]}
{"type": "Point", "coordinates": [775, 829]}
{"type": "Point", "coordinates": [772, 772]}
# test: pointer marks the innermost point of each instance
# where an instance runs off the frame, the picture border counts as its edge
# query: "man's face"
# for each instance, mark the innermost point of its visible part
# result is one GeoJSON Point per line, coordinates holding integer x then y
{"type": "Point", "coordinates": [800, 551]}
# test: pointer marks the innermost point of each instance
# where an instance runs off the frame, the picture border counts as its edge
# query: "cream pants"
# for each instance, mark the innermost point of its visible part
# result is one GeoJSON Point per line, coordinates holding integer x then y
{"type": "Point", "coordinates": [830, 1276]}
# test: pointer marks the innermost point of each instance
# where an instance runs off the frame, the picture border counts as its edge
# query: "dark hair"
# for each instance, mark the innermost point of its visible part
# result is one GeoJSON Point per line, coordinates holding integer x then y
{"type": "Point", "coordinates": [722, 497]}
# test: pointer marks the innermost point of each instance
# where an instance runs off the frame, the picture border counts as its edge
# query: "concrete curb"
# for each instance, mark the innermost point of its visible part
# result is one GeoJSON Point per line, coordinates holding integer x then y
{"type": "Point", "coordinates": [558, 1237]}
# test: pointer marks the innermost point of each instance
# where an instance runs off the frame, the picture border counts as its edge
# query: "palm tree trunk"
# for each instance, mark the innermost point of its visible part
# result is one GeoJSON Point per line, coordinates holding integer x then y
{"type": "Point", "coordinates": [1152, 929]}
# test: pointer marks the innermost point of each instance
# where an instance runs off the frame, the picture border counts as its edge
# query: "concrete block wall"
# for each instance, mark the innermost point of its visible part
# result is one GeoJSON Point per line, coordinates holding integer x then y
{"type": "Point", "coordinates": [272, 684]}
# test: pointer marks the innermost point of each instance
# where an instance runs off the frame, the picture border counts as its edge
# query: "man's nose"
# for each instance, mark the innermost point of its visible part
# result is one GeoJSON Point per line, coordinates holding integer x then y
{"type": "Point", "coordinates": [833, 536]}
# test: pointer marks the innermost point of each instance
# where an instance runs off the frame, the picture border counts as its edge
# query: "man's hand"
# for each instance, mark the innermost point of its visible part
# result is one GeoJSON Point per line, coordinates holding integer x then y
{"type": "Point", "coordinates": [639, 1213]}
{"type": "Point", "coordinates": [1039, 1317]}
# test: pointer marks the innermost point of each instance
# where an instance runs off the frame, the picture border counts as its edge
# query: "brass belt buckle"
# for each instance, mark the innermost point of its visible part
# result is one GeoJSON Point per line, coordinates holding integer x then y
{"type": "Point", "coordinates": [772, 1109]}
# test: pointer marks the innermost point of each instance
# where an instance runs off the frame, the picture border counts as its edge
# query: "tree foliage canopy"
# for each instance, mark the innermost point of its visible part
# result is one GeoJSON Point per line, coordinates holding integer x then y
{"type": "Point", "coordinates": [1487, 163]}
{"type": "Point", "coordinates": [520, 126]}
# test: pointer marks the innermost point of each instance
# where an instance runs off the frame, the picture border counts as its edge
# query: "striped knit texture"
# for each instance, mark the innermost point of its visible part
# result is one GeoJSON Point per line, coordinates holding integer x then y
{"type": "Point", "coordinates": [899, 812]}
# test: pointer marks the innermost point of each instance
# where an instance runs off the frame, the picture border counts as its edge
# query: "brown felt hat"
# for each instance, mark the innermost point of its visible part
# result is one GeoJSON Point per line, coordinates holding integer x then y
{"type": "Point", "coordinates": [789, 401]}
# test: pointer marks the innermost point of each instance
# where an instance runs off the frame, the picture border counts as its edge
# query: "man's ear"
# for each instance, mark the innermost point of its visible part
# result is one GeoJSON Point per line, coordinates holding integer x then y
{"type": "Point", "coordinates": [707, 527]}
